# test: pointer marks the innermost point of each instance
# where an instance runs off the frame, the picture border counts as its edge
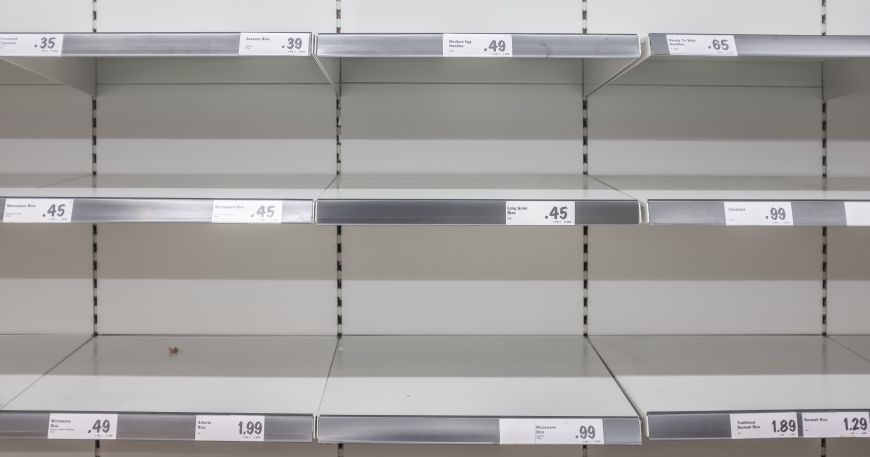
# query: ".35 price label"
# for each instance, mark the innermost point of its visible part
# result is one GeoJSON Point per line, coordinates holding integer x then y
{"type": "Point", "coordinates": [539, 213]}
{"type": "Point", "coordinates": [764, 425]}
{"type": "Point", "coordinates": [82, 426]}
{"type": "Point", "coordinates": [31, 45]}
{"type": "Point", "coordinates": [839, 424]}
{"type": "Point", "coordinates": [230, 428]}
{"type": "Point", "coordinates": [37, 211]}
{"type": "Point", "coordinates": [247, 212]}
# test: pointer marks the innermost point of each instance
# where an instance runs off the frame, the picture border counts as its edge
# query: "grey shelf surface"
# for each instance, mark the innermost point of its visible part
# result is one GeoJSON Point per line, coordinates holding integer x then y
{"type": "Point", "coordinates": [700, 200]}
{"type": "Point", "coordinates": [689, 387]}
{"type": "Point", "coordinates": [157, 394]}
{"type": "Point", "coordinates": [166, 198]}
{"type": "Point", "coordinates": [859, 344]}
{"type": "Point", "coordinates": [456, 389]}
{"type": "Point", "coordinates": [75, 64]}
{"type": "Point", "coordinates": [466, 199]}
{"type": "Point", "coordinates": [25, 358]}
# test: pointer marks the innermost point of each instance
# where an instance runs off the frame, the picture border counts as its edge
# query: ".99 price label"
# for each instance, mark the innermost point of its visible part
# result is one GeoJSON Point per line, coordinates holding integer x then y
{"type": "Point", "coordinates": [31, 45]}
{"type": "Point", "coordinates": [764, 425]}
{"type": "Point", "coordinates": [539, 213]}
{"type": "Point", "coordinates": [758, 213]}
{"type": "Point", "coordinates": [247, 212]}
{"type": "Point", "coordinates": [230, 428]}
{"type": "Point", "coordinates": [551, 431]}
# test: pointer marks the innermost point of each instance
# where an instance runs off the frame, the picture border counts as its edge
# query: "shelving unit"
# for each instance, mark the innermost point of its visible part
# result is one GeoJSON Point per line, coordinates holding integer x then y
{"type": "Point", "coordinates": [171, 198]}
{"type": "Point", "coordinates": [473, 200]}
{"type": "Point", "coordinates": [706, 387]}
{"type": "Point", "coordinates": [70, 58]}
{"type": "Point", "coordinates": [472, 390]}
{"type": "Point", "coordinates": [161, 388]}
{"type": "Point", "coordinates": [747, 200]}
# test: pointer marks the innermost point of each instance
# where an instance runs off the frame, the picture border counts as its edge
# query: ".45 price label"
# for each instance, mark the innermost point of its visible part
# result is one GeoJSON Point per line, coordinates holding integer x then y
{"type": "Point", "coordinates": [539, 213]}
{"type": "Point", "coordinates": [230, 428]}
{"type": "Point", "coordinates": [758, 213]}
{"type": "Point", "coordinates": [477, 45]}
{"type": "Point", "coordinates": [82, 426]}
{"type": "Point", "coordinates": [836, 424]}
{"type": "Point", "coordinates": [37, 211]}
{"type": "Point", "coordinates": [274, 44]}
{"type": "Point", "coordinates": [31, 45]}
{"type": "Point", "coordinates": [702, 45]}
{"type": "Point", "coordinates": [764, 425]}
{"type": "Point", "coordinates": [247, 212]}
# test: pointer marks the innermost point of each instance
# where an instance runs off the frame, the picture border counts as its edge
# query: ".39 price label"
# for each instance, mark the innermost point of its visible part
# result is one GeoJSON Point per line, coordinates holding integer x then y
{"type": "Point", "coordinates": [702, 45]}
{"type": "Point", "coordinates": [477, 45]}
{"type": "Point", "coordinates": [274, 44]}
{"type": "Point", "coordinates": [247, 212]}
{"type": "Point", "coordinates": [37, 211]}
{"type": "Point", "coordinates": [836, 424]}
{"type": "Point", "coordinates": [758, 213]}
{"type": "Point", "coordinates": [230, 428]}
{"type": "Point", "coordinates": [31, 45]}
{"type": "Point", "coordinates": [82, 426]}
{"type": "Point", "coordinates": [539, 213]}
{"type": "Point", "coordinates": [764, 425]}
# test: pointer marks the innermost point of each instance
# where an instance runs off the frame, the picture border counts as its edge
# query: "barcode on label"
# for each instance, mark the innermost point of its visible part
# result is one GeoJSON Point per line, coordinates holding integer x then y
{"type": "Point", "coordinates": [702, 45]}
{"type": "Point", "coordinates": [551, 431]}
{"type": "Point", "coordinates": [477, 45]}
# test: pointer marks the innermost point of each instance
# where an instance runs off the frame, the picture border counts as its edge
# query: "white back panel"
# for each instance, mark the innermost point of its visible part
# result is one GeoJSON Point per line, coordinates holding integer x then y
{"type": "Point", "coordinates": [46, 15]}
{"type": "Point", "coordinates": [848, 17]}
{"type": "Point", "coordinates": [672, 280]}
{"type": "Point", "coordinates": [716, 448]}
{"type": "Point", "coordinates": [190, 449]}
{"type": "Point", "coordinates": [848, 135]}
{"type": "Point", "coordinates": [46, 448]}
{"type": "Point", "coordinates": [45, 279]}
{"type": "Point", "coordinates": [216, 16]}
{"type": "Point", "coordinates": [368, 450]}
{"type": "Point", "coordinates": [800, 17]}
{"type": "Point", "coordinates": [458, 16]}
{"type": "Point", "coordinates": [848, 280]}
{"type": "Point", "coordinates": [460, 280]}
{"type": "Point", "coordinates": [216, 279]}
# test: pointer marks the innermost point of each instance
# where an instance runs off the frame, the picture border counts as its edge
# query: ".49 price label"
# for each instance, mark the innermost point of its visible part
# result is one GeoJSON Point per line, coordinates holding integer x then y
{"type": "Point", "coordinates": [247, 212]}
{"type": "Point", "coordinates": [477, 45]}
{"type": "Point", "coordinates": [82, 426]}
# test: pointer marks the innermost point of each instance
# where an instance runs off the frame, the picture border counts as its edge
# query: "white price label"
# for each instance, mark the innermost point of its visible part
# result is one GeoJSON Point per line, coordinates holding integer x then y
{"type": "Point", "coordinates": [31, 45]}
{"type": "Point", "coordinates": [836, 425]}
{"type": "Point", "coordinates": [274, 44]}
{"type": "Point", "coordinates": [551, 431]}
{"type": "Point", "coordinates": [477, 45]}
{"type": "Point", "coordinates": [247, 212]}
{"type": "Point", "coordinates": [702, 45]}
{"type": "Point", "coordinates": [82, 426]}
{"type": "Point", "coordinates": [858, 213]}
{"type": "Point", "coordinates": [539, 213]}
{"type": "Point", "coordinates": [764, 425]}
{"type": "Point", "coordinates": [230, 428]}
{"type": "Point", "coordinates": [37, 211]}
{"type": "Point", "coordinates": [758, 213]}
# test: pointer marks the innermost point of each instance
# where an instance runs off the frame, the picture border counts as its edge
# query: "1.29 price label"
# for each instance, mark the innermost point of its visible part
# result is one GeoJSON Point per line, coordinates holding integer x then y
{"type": "Point", "coordinates": [836, 424]}
{"type": "Point", "coordinates": [230, 428]}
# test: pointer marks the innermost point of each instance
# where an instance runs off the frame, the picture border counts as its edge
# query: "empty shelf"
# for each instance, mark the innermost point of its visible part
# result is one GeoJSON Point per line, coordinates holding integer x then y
{"type": "Point", "coordinates": [860, 344]}
{"type": "Point", "coordinates": [474, 200]}
{"type": "Point", "coordinates": [845, 59]}
{"type": "Point", "coordinates": [461, 389]}
{"type": "Point", "coordinates": [758, 201]}
{"type": "Point", "coordinates": [165, 388]}
{"type": "Point", "coordinates": [737, 387]}
{"type": "Point", "coordinates": [25, 358]}
{"type": "Point", "coordinates": [67, 58]}
{"type": "Point", "coordinates": [168, 198]}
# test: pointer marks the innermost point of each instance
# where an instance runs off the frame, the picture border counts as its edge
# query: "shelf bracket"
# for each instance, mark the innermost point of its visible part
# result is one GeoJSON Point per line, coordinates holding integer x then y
{"type": "Point", "coordinates": [844, 77]}
{"type": "Point", "coordinates": [80, 73]}
{"type": "Point", "coordinates": [599, 73]}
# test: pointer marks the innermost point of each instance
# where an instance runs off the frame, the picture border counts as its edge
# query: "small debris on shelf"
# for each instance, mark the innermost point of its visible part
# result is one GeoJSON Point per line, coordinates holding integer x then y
{"type": "Point", "coordinates": [173, 351]}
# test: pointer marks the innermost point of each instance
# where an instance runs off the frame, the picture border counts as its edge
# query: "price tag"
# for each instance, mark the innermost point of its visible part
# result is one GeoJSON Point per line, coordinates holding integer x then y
{"type": "Point", "coordinates": [758, 213]}
{"type": "Point", "coordinates": [764, 425]}
{"type": "Point", "coordinates": [836, 425]}
{"type": "Point", "coordinates": [247, 212]}
{"type": "Point", "coordinates": [858, 213]}
{"type": "Point", "coordinates": [31, 45]}
{"type": "Point", "coordinates": [82, 426]}
{"type": "Point", "coordinates": [477, 45]}
{"type": "Point", "coordinates": [37, 211]}
{"type": "Point", "coordinates": [230, 428]}
{"type": "Point", "coordinates": [274, 44]}
{"type": "Point", "coordinates": [551, 431]}
{"type": "Point", "coordinates": [539, 213]}
{"type": "Point", "coordinates": [702, 45]}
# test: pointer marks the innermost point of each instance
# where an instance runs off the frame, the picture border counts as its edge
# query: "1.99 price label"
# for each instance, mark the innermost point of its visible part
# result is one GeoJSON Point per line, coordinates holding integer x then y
{"type": "Point", "coordinates": [230, 428]}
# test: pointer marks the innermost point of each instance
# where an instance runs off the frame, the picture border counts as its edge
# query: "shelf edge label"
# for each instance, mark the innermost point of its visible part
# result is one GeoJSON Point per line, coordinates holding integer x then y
{"type": "Point", "coordinates": [247, 212]}
{"type": "Point", "coordinates": [274, 44]}
{"type": "Point", "coordinates": [539, 213]}
{"type": "Point", "coordinates": [838, 424]}
{"type": "Point", "coordinates": [31, 45]}
{"type": "Point", "coordinates": [551, 431]}
{"type": "Point", "coordinates": [702, 45]}
{"type": "Point", "coordinates": [477, 45]}
{"type": "Point", "coordinates": [38, 211]}
{"type": "Point", "coordinates": [758, 213]}
{"type": "Point", "coordinates": [82, 426]}
{"type": "Point", "coordinates": [857, 213]}
{"type": "Point", "coordinates": [764, 425]}
{"type": "Point", "coordinates": [231, 428]}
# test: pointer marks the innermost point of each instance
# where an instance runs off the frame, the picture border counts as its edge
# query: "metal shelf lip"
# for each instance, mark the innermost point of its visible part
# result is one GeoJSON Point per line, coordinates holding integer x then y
{"type": "Point", "coordinates": [466, 199]}
{"type": "Point", "coordinates": [525, 45]}
{"type": "Point", "coordinates": [700, 200]}
{"type": "Point", "coordinates": [801, 47]}
{"type": "Point", "coordinates": [458, 389]}
{"type": "Point", "coordinates": [688, 387]}
{"type": "Point", "coordinates": [168, 198]}
{"type": "Point", "coordinates": [159, 384]}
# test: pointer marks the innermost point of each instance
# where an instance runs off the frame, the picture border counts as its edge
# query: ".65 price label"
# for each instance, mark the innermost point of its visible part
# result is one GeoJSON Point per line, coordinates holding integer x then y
{"type": "Point", "coordinates": [37, 211]}
{"type": "Point", "coordinates": [702, 45]}
{"type": "Point", "coordinates": [82, 426]}
{"type": "Point", "coordinates": [230, 428]}
{"type": "Point", "coordinates": [247, 212]}
{"type": "Point", "coordinates": [31, 45]}
{"type": "Point", "coordinates": [539, 213]}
